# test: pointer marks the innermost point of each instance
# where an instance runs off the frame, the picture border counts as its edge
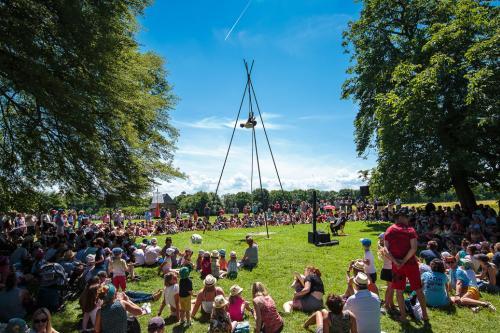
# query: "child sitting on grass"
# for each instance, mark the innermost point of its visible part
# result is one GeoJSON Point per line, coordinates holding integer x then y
{"type": "Point", "coordinates": [237, 305]}
{"type": "Point", "coordinates": [232, 266]}
{"type": "Point", "coordinates": [186, 259]}
{"type": "Point", "coordinates": [222, 260]}
{"type": "Point", "coordinates": [219, 318]}
{"type": "Point", "coordinates": [206, 265]}
{"type": "Point", "coordinates": [199, 260]}
{"type": "Point", "coordinates": [166, 265]}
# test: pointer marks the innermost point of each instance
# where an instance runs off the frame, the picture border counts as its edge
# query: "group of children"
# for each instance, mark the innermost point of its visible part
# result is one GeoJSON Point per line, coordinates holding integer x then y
{"type": "Point", "coordinates": [215, 264]}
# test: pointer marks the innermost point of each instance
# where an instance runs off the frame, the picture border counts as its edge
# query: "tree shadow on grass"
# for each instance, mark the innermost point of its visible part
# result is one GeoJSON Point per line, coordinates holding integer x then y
{"type": "Point", "coordinates": [375, 227]}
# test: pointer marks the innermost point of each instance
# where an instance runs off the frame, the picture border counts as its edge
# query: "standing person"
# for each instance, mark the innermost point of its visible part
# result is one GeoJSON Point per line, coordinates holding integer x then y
{"type": "Point", "coordinates": [369, 262]}
{"type": "Point", "coordinates": [148, 216]}
{"type": "Point", "coordinates": [365, 306]}
{"type": "Point", "coordinates": [206, 212]}
{"type": "Point", "coordinates": [171, 296]}
{"type": "Point", "coordinates": [400, 241]}
{"type": "Point", "coordinates": [267, 318]}
{"type": "Point", "coordinates": [118, 267]}
{"type": "Point", "coordinates": [386, 274]}
{"type": "Point", "coordinates": [185, 294]}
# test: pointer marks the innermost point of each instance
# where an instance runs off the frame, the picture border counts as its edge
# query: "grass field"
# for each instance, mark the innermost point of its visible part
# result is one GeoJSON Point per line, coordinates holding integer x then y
{"type": "Point", "coordinates": [285, 252]}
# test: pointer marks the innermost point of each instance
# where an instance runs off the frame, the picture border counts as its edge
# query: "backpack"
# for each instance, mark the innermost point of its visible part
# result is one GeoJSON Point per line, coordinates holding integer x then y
{"type": "Point", "coordinates": [52, 275]}
{"type": "Point", "coordinates": [243, 327]}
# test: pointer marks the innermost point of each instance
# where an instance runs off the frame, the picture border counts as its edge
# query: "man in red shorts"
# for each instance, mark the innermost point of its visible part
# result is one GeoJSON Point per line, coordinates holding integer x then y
{"type": "Point", "coordinates": [400, 241]}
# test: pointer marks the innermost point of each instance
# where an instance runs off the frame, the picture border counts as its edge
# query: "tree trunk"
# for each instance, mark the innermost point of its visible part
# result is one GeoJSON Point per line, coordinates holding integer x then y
{"type": "Point", "coordinates": [462, 188]}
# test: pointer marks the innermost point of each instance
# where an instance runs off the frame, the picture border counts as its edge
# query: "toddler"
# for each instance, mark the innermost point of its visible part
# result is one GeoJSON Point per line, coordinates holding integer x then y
{"type": "Point", "coordinates": [232, 266]}
{"type": "Point", "coordinates": [118, 267]}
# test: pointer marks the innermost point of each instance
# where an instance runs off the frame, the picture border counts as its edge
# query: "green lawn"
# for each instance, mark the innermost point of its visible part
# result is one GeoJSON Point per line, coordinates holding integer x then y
{"type": "Point", "coordinates": [288, 251]}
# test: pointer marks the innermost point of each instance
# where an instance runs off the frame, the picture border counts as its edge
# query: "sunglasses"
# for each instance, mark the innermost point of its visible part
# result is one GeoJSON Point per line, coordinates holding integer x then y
{"type": "Point", "coordinates": [38, 321]}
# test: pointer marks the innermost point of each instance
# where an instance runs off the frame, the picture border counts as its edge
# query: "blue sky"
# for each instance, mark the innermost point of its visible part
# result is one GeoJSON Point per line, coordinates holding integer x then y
{"type": "Point", "coordinates": [299, 69]}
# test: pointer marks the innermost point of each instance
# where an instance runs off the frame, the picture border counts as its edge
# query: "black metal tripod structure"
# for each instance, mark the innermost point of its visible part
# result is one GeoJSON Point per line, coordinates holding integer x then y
{"type": "Point", "coordinates": [249, 92]}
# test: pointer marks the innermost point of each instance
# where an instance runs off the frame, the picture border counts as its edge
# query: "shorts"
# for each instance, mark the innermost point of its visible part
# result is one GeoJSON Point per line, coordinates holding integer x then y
{"type": "Point", "coordinates": [373, 277]}
{"type": "Point", "coordinates": [473, 292]}
{"type": "Point", "coordinates": [386, 274]}
{"type": "Point", "coordinates": [185, 304]}
{"type": "Point", "coordinates": [310, 303]}
{"type": "Point", "coordinates": [408, 271]}
{"type": "Point", "coordinates": [120, 282]}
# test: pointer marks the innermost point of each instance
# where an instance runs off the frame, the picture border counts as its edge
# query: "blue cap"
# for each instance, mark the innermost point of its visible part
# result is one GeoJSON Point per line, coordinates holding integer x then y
{"type": "Point", "coordinates": [365, 241]}
{"type": "Point", "coordinates": [381, 236]}
{"type": "Point", "coordinates": [117, 250]}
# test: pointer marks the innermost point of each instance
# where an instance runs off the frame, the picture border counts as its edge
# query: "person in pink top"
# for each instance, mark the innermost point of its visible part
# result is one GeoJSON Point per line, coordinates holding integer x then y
{"type": "Point", "coordinates": [237, 304]}
{"type": "Point", "coordinates": [267, 318]}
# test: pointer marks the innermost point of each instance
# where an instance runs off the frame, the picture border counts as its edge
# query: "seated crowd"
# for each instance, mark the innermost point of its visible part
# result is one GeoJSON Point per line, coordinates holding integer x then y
{"type": "Point", "coordinates": [46, 263]}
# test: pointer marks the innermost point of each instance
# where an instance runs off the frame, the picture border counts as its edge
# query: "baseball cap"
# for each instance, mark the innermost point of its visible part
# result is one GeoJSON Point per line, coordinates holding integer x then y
{"type": "Point", "coordinates": [365, 241]}
{"type": "Point", "coordinates": [156, 323]}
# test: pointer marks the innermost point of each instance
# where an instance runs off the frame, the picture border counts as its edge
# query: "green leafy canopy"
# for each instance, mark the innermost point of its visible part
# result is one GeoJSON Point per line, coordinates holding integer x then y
{"type": "Point", "coordinates": [425, 74]}
{"type": "Point", "coordinates": [81, 108]}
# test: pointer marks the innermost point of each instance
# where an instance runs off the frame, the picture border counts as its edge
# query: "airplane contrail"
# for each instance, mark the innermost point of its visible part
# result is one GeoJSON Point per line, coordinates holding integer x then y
{"type": "Point", "coordinates": [239, 18]}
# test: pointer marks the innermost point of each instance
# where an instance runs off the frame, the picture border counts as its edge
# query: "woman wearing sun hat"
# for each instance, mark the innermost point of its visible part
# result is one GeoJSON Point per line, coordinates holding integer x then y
{"type": "Point", "coordinates": [206, 296]}
{"type": "Point", "coordinates": [219, 318]}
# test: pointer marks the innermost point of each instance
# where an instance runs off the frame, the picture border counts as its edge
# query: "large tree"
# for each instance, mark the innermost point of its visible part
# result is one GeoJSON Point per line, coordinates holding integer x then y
{"type": "Point", "coordinates": [425, 75]}
{"type": "Point", "coordinates": [81, 108]}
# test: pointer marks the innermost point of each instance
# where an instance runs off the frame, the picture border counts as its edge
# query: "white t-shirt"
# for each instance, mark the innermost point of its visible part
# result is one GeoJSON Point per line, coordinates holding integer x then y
{"type": "Point", "coordinates": [370, 269]}
{"type": "Point", "coordinates": [169, 294]}
{"type": "Point", "coordinates": [139, 257]}
{"type": "Point", "coordinates": [365, 305]}
{"type": "Point", "coordinates": [151, 254]}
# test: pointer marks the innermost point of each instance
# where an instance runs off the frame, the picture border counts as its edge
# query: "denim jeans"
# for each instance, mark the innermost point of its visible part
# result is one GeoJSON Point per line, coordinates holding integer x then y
{"type": "Point", "coordinates": [139, 296]}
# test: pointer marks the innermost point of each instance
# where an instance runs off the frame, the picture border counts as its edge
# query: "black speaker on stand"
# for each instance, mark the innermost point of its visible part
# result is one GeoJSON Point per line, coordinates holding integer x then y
{"type": "Point", "coordinates": [319, 238]}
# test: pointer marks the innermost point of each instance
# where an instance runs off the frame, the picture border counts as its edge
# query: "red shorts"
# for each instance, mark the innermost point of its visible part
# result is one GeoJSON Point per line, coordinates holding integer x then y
{"type": "Point", "coordinates": [120, 281]}
{"type": "Point", "coordinates": [408, 271]}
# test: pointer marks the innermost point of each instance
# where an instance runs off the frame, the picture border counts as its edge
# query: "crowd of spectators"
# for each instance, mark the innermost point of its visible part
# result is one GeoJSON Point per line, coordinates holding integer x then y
{"type": "Point", "coordinates": [50, 258]}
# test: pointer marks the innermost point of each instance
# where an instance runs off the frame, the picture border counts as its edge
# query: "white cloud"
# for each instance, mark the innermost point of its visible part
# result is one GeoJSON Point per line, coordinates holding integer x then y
{"type": "Point", "coordinates": [215, 122]}
{"type": "Point", "coordinates": [296, 171]}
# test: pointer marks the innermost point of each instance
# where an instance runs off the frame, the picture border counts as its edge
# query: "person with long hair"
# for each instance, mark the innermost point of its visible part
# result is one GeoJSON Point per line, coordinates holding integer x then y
{"type": "Point", "coordinates": [310, 298]}
{"type": "Point", "coordinates": [267, 318]}
{"type": "Point", "coordinates": [42, 322]}
{"type": "Point", "coordinates": [336, 320]}
{"type": "Point", "coordinates": [90, 303]}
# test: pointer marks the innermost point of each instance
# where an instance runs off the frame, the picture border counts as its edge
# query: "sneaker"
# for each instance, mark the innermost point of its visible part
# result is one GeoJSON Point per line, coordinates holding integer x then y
{"type": "Point", "coordinates": [491, 307]}
{"type": "Point", "coordinates": [147, 308]}
{"type": "Point", "coordinates": [476, 309]}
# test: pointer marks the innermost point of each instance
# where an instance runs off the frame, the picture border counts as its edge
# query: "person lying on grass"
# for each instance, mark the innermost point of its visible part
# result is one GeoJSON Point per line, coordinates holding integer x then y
{"type": "Point", "coordinates": [467, 292]}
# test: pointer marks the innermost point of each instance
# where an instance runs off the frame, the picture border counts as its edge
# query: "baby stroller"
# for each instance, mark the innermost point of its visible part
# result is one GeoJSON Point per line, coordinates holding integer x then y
{"type": "Point", "coordinates": [76, 282]}
{"type": "Point", "coordinates": [53, 287]}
